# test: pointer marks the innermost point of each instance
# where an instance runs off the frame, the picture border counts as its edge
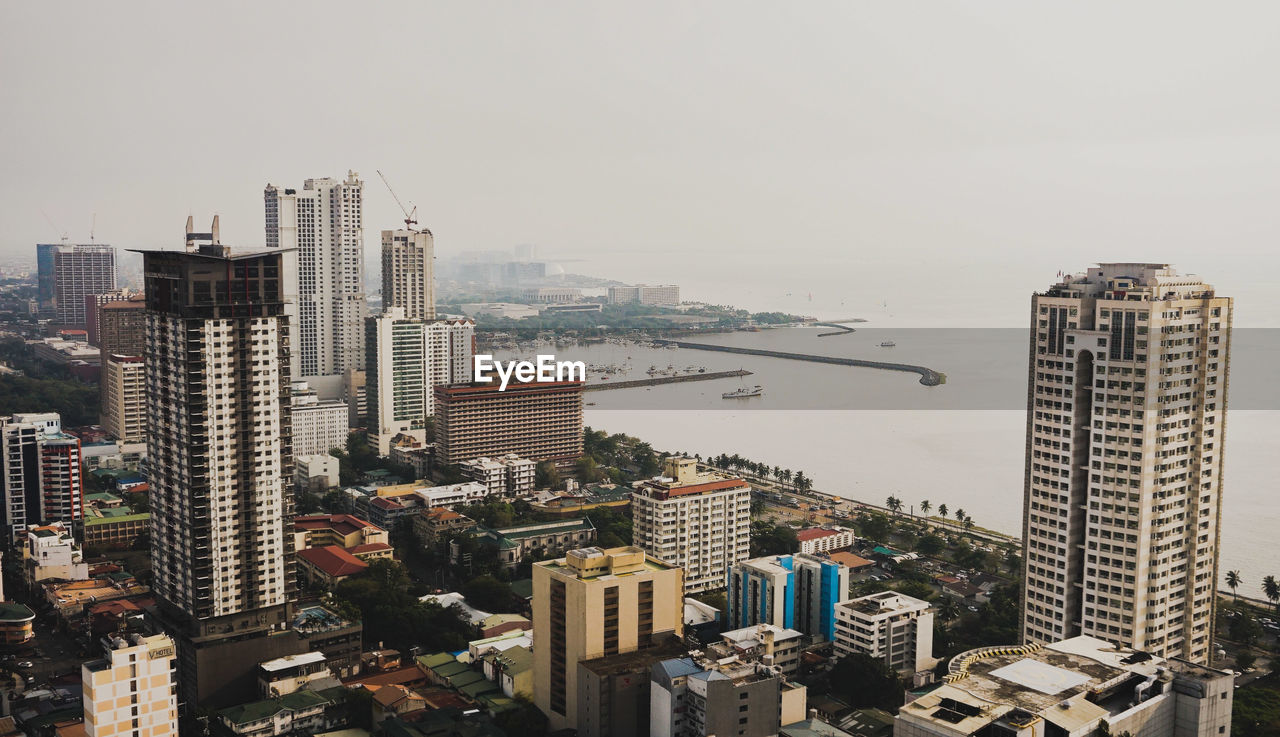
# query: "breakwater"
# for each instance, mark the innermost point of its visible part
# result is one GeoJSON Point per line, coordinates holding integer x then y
{"type": "Point", "coordinates": [928, 376]}
{"type": "Point", "coordinates": [632, 383]}
{"type": "Point", "coordinates": [839, 329]}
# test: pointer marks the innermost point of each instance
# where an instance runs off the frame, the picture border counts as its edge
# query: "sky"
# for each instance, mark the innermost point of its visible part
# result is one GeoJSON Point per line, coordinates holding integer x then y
{"type": "Point", "coordinates": [968, 149]}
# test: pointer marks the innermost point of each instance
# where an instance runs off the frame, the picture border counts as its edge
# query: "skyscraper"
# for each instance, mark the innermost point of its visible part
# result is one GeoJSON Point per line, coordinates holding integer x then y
{"type": "Point", "coordinates": [220, 457]}
{"type": "Point", "coordinates": [44, 274]}
{"type": "Point", "coordinates": [80, 271]}
{"type": "Point", "coordinates": [323, 221]}
{"type": "Point", "coordinates": [39, 472]}
{"type": "Point", "coordinates": [408, 272]}
{"type": "Point", "coordinates": [124, 398]}
{"type": "Point", "coordinates": [130, 691]}
{"type": "Point", "coordinates": [1125, 417]}
{"type": "Point", "coordinates": [407, 359]}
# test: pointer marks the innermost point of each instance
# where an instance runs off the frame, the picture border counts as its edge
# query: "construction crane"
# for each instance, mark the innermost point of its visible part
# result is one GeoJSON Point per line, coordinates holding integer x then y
{"type": "Point", "coordinates": [409, 215]}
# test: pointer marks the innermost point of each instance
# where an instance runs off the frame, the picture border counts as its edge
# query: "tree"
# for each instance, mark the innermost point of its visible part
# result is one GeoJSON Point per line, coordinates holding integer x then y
{"type": "Point", "coordinates": [1271, 588]}
{"type": "Point", "coordinates": [1244, 629]}
{"type": "Point", "coordinates": [874, 526]}
{"type": "Point", "coordinates": [1245, 660]}
{"type": "Point", "coordinates": [771, 539]}
{"type": "Point", "coordinates": [489, 594]}
{"type": "Point", "coordinates": [864, 682]}
{"type": "Point", "coordinates": [925, 506]}
{"type": "Point", "coordinates": [893, 504]}
{"type": "Point", "coordinates": [1234, 581]}
{"type": "Point", "coordinates": [589, 470]}
{"type": "Point", "coordinates": [960, 516]}
{"type": "Point", "coordinates": [942, 510]}
{"type": "Point", "coordinates": [802, 482]}
{"type": "Point", "coordinates": [948, 608]}
{"type": "Point", "coordinates": [524, 720]}
{"type": "Point", "coordinates": [930, 545]}
{"type": "Point", "coordinates": [546, 476]}
{"type": "Point", "coordinates": [645, 459]}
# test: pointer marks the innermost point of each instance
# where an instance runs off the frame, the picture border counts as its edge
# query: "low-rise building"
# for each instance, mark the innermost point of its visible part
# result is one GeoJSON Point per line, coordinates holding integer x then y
{"type": "Point", "coordinates": [318, 425]}
{"type": "Point", "coordinates": [343, 530]}
{"type": "Point", "coordinates": [453, 495]}
{"type": "Point", "coordinates": [825, 539]}
{"type": "Point", "coordinates": [508, 475]}
{"type": "Point", "coordinates": [665, 295]}
{"type": "Point", "coordinates": [118, 527]}
{"type": "Point", "coordinates": [324, 567]}
{"type": "Point", "coordinates": [52, 554]}
{"type": "Point", "coordinates": [540, 538]}
{"type": "Point", "coordinates": [301, 712]}
{"type": "Point", "coordinates": [133, 688]}
{"type": "Point", "coordinates": [315, 474]}
{"type": "Point", "coordinates": [1079, 686]}
{"type": "Point", "coordinates": [433, 527]}
{"type": "Point", "coordinates": [16, 623]}
{"type": "Point", "coordinates": [888, 626]}
{"type": "Point", "coordinates": [284, 675]}
{"type": "Point", "coordinates": [767, 644]}
{"type": "Point", "coordinates": [699, 696]}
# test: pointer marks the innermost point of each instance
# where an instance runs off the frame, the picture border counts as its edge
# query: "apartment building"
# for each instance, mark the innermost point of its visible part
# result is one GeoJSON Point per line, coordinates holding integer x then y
{"type": "Point", "coordinates": [319, 231]}
{"type": "Point", "coordinates": [124, 401]}
{"type": "Point", "coordinates": [1079, 686]}
{"type": "Point", "coordinates": [791, 591]}
{"type": "Point", "coordinates": [319, 425]}
{"type": "Point", "coordinates": [825, 539]}
{"type": "Point", "coordinates": [666, 295]}
{"type": "Point", "coordinates": [508, 475]}
{"type": "Point", "coordinates": [408, 358]}
{"type": "Point", "coordinates": [888, 626]}
{"type": "Point", "coordinates": [80, 271]}
{"type": "Point", "coordinates": [540, 421]}
{"type": "Point", "coordinates": [701, 696]}
{"type": "Point", "coordinates": [408, 273]}
{"type": "Point", "coordinates": [41, 471]}
{"type": "Point", "coordinates": [594, 603]}
{"type": "Point", "coordinates": [220, 461]}
{"type": "Point", "coordinates": [698, 521]}
{"type": "Point", "coordinates": [1126, 407]}
{"type": "Point", "coordinates": [133, 690]}
{"type": "Point", "coordinates": [93, 304]}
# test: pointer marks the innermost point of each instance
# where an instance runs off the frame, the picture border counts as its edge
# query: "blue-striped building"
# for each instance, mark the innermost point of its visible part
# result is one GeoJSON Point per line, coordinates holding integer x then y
{"type": "Point", "coordinates": [794, 591]}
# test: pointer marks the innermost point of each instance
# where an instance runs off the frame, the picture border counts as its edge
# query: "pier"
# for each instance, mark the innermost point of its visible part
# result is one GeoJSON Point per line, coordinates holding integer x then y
{"type": "Point", "coordinates": [928, 376]}
{"type": "Point", "coordinates": [632, 383]}
{"type": "Point", "coordinates": [839, 329]}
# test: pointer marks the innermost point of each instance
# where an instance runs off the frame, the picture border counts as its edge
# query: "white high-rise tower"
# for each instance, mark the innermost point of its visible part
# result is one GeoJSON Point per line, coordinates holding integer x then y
{"type": "Point", "coordinates": [1126, 412]}
{"type": "Point", "coordinates": [408, 273]}
{"type": "Point", "coordinates": [323, 221]}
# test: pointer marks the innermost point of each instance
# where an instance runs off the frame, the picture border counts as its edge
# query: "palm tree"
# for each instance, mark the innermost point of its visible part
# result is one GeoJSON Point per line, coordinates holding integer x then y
{"type": "Point", "coordinates": [802, 482]}
{"type": "Point", "coordinates": [948, 609]}
{"type": "Point", "coordinates": [925, 506]}
{"type": "Point", "coordinates": [942, 510]}
{"type": "Point", "coordinates": [777, 473]}
{"type": "Point", "coordinates": [1233, 580]}
{"type": "Point", "coordinates": [960, 515]}
{"type": "Point", "coordinates": [786, 475]}
{"type": "Point", "coordinates": [1271, 588]}
{"type": "Point", "coordinates": [968, 523]}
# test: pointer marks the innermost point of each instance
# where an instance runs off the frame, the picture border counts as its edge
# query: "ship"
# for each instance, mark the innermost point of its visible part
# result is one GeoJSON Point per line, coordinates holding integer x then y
{"type": "Point", "coordinates": [744, 392]}
{"type": "Point", "coordinates": [887, 344]}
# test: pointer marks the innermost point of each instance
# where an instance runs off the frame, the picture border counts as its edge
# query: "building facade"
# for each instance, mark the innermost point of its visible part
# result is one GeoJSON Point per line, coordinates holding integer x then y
{"type": "Point", "coordinates": [407, 359]}
{"type": "Point", "coordinates": [792, 591]}
{"type": "Point", "coordinates": [41, 470]}
{"type": "Point", "coordinates": [124, 401]}
{"type": "Point", "coordinates": [595, 603]}
{"type": "Point", "coordinates": [80, 271]}
{"type": "Point", "coordinates": [888, 626]}
{"type": "Point", "coordinates": [325, 274]}
{"type": "Point", "coordinates": [408, 273]}
{"type": "Point", "coordinates": [122, 327]}
{"type": "Point", "coordinates": [319, 426]}
{"type": "Point", "coordinates": [1125, 419]}
{"type": "Point", "coordinates": [220, 461]}
{"type": "Point", "coordinates": [540, 421]}
{"type": "Point", "coordinates": [666, 295]}
{"type": "Point", "coordinates": [698, 521]}
{"type": "Point", "coordinates": [508, 475]}
{"type": "Point", "coordinates": [132, 690]}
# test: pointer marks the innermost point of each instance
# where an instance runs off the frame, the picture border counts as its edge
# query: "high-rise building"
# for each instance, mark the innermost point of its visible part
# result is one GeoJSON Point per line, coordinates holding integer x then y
{"type": "Point", "coordinates": [220, 462]}
{"type": "Point", "coordinates": [80, 271]}
{"type": "Point", "coordinates": [698, 521]}
{"type": "Point", "coordinates": [541, 421]}
{"type": "Point", "coordinates": [325, 274]}
{"type": "Point", "coordinates": [1125, 418]}
{"type": "Point", "coordinates": [122, 327]}
{"type": "Point", "coordinates": [44, 274]}
{"type": "Point", "coordinates": [319, 425]}
{"type": "Point", "coordinates": [124, 398]}
{"type": "Point", "coordinates": [408, 272]}
{"type": "Point", "coordinates": [93, 304]}
{"type": "Point", "coordinates": [595, 603]}
{"type": "Point", "coordinates": [888, 626]}
{"type": "Point", "coordinates": [40, 467]}
{"type": "Point", "coordinates": [407, 359]}
{"type": "Point", "coordinates": [792, 591]}
{"type": "Point", "coordinates": [132, 690]}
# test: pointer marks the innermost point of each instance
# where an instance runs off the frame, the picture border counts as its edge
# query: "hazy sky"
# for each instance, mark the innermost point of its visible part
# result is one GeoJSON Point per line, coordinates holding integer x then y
{"type": "Point", "coordinates": [901, 141]}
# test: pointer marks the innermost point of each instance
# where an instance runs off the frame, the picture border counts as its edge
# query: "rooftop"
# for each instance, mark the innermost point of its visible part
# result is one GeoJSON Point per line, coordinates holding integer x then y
{"type": "Point", "coordinates": [333, 561]}
{"type": "Point", "coordinates": [292, 661]}
{"type": "Point", "coordinates": [259, 710]}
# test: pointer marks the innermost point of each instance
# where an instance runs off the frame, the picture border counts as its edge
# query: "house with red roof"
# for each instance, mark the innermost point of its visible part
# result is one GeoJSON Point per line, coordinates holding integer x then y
{"type": "Point", "coordinates": [325, 566]}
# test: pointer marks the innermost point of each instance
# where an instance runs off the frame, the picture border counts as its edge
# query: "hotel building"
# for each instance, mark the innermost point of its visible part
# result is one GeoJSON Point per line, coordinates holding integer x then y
{"type": "Point", "coordinates": [698, 521]}
{"type": "Point", "coordinates": [133, 690]}
{"type": "Point", "coordinates": [1125, 418]}
{"type": "Point", "coordinates": [541, 421]}
{"type": "Point", "coordinates": [595, 603]}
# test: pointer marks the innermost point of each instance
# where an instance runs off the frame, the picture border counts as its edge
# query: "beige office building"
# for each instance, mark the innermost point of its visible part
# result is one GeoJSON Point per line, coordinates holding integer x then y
{"type": "Point", "coordinates": [1125, 418]}
{"type": "Point", "coordinates": [593, 603]}
{"type": "Point", "coordinates": [133, 690]}
{"type": "Point", "coordinates": [698, 521]}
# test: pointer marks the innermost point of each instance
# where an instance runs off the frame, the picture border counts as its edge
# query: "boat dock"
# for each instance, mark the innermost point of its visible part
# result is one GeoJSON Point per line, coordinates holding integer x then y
{"type": "Point", "coordinates": [928, 376]}
{"type": "Point", "coordinates": [632, 383]}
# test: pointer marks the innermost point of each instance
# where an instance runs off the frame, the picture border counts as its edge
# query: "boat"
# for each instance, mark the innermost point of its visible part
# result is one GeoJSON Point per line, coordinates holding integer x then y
{"type": "Point", "coordinates": [744, 392]}
{"type": "Point", "coordinates": [887, 344]}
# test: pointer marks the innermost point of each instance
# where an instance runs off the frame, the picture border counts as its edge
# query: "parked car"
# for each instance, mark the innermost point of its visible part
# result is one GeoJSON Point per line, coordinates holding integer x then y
{"type": "Point", "coordinates": [26, 664]}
